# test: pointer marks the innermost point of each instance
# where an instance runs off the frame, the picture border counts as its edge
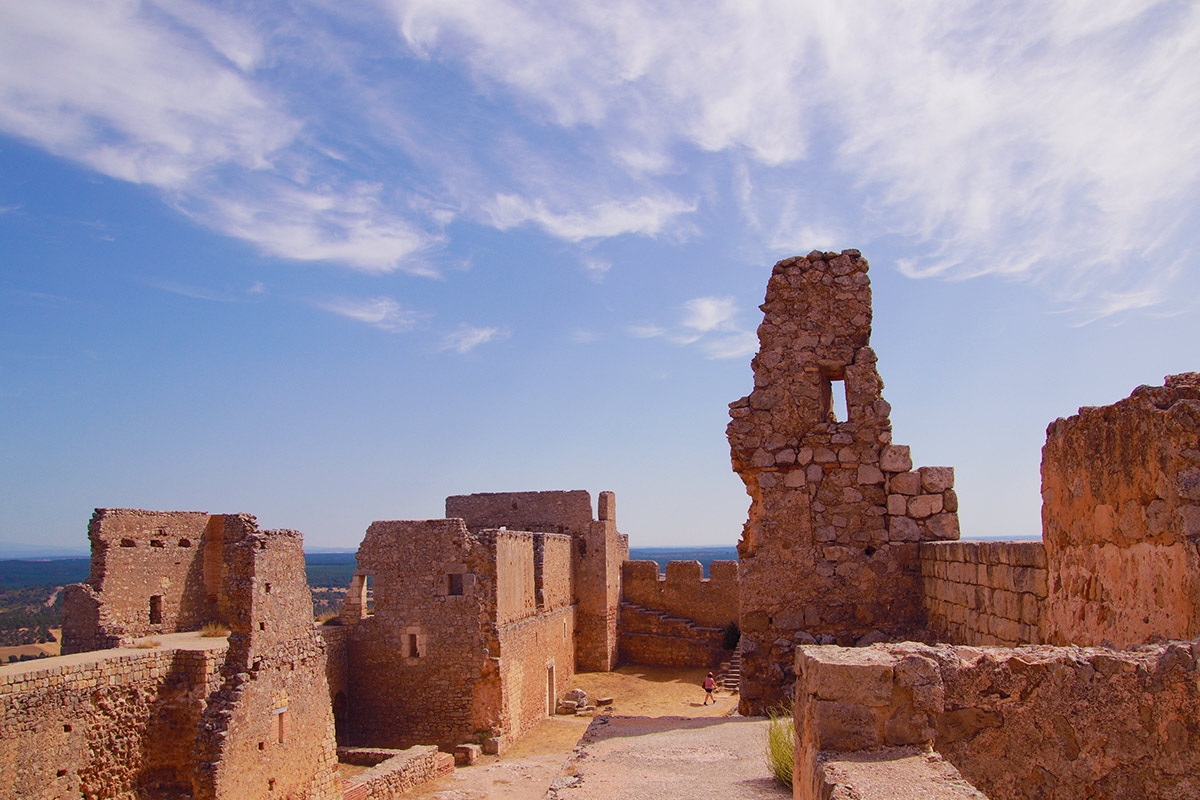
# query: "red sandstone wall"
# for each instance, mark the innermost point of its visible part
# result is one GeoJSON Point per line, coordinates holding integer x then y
{"type": "Point", "coordinates": [451, 689]}
{"type": "Point", "coordinates": [1121, 515]}
{"type": "Point", "coordinates": [269, 731]}
{"type": "Point", "coordinates": [555, 575]}
{"type": "Point", "coordinates": [991, 593]}
{"type": "Point", "coordinates": [1020, 724]}
{"type": "Point", "coordinates": [528, 649]}
{"type": "Point", "coordinates": [836, 510]}
{"type": "Point", "coordinates": [137, 555]}
{"type": "Point", "coordinates": [547, 512]}
{"type": "Point", "coordinates": [683, 591]}
{"type": "Point", "coordinates": [103, 726]}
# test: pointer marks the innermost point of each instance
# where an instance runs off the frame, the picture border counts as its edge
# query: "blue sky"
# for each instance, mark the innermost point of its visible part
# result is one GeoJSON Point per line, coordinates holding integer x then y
{"type": "Point", "coordinates": [330, 262]}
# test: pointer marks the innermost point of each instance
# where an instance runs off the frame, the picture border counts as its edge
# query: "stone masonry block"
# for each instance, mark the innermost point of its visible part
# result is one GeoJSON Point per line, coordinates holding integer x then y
{"type": "Point", "coordinates": [936, 480]}
{"type": "Point", "coordinates": [924, 505]}
{"type": "Point", "coordinates": [895, 458]}
{"type": "Point", "coordinates": [908, 483]}
{"type": "Point", "coordinates": [845, 727]}
{"type": "Point", "coordinates": [897, 504]}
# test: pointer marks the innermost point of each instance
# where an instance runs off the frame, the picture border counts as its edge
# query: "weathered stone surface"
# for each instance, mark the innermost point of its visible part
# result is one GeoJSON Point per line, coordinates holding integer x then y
{"type": "Point", "coordinates": [1119, 517]}
{"type": "Point", "coordinates": [825, 545]}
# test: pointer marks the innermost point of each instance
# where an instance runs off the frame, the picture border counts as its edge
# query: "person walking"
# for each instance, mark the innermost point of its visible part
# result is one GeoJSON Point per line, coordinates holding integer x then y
{"type": "Point", "coordinates": [710, 685]}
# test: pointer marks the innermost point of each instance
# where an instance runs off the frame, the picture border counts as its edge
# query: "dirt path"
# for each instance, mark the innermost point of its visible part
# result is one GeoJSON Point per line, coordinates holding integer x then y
{"type": "Point", "coordinates": [659, 741]}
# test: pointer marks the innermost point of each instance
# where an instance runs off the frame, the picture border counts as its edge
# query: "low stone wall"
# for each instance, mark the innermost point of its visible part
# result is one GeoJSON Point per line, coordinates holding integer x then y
{"type": "Point", "coordinates": [654, 637]}
{"type": "Point", "coordinates": [1018, 724]}
{"type": "Point", "coordinates": [104, 724]}
{"type": "Point", "coordinates": [392, 772]}
{"type": "Point", "coordinates": [989, 593]}
{"type": "Point", "coordinates": [684, 591]}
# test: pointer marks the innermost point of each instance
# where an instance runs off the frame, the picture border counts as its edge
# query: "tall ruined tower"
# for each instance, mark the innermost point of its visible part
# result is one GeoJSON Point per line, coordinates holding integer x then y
{"type": "Point", "coordinates": [829, 552]}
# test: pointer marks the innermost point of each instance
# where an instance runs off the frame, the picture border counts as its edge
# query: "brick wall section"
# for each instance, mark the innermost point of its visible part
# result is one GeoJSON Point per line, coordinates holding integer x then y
{"type": "Point", "coordinates": [1121, 516]}
{"type": "Point", "coordinates": [268, 732]}
{"type": "Point", "coordinates": [990, 593]}
{"type": "Point", "coordinates": [103, 725]}
{"type": "Point", "coordinates": [555, 578]}
{"type": "Point", "coordinates": [599, 552]}
{"type": "Point", "coordinates": [532, 652]}
{"type": "Point", "coordinates": [1019, 724]}
{"type": "Point", "coordinates": [393, 772]}
{"type": "Point", "coordinates": [683, 591]}
{"type": "Point", "coordinates": [836, 511]}
{"type": "Point", "coordinates": [449, 690]}
{"type": "Point", "coordinates": [138, 555]}
{"type": "Point", "coordinates": [654, 637]}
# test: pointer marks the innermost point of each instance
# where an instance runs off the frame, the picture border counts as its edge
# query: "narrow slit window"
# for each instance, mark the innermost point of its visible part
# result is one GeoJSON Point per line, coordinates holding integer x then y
{"type": "Point", "coordinates": [412, 646]}
{"type": "Point", "coordinates": [156, 609]}
{"type": "Point", "coordinates": [456, 583]}
{"type": "Point", "coordinates": [841, 409]}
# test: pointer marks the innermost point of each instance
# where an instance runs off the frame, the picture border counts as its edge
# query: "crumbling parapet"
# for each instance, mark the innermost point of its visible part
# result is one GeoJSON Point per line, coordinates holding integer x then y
{"type": "Point", "coordinates": [1018, 724]}
{"type": "Point", "coordinates": [1121, 518]}
{"type": "Point", "coordinates": [836, 507]}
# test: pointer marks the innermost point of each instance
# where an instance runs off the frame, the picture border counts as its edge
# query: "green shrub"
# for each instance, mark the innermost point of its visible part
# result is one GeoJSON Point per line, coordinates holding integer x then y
{"type": "Point", "coordinates": [781, 744]}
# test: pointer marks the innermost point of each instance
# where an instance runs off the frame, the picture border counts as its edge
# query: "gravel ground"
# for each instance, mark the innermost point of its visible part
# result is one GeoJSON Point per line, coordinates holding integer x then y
{"type": "Point", "coordinates": [659, 743]}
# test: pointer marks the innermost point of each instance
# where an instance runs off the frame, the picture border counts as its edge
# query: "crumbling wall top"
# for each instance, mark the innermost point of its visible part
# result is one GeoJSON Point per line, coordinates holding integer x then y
{"type": "Point", "coordinates": [544, 512]}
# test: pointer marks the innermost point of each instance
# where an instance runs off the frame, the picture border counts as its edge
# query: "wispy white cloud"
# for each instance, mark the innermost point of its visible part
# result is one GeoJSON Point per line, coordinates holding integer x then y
{"type": "Point", "coordinates": [467, 338]}
{"type": "Point", "coordinates": [710, 323]}
{"type": "Point", "coordinates": [1048, 142]}
{"type": "Point", "coordinates": [166, 93]}
{"type": "Point", "coordinates": [193, 292]}
{"type": "Point", "coordinates": [385, 313]}
{"type": "Point", "coordinates": [596, 269]}
{"type": "Point", "coordinates": [646, 330]}
{"type": "Point", "coordinates": [642, 215]}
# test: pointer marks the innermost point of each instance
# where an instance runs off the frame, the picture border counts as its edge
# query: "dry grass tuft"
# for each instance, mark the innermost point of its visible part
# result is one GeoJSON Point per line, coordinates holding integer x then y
{"type": "Point", "coordinates": [781, 744]}
{"type": "Point", "coordinates": [214, 630]}
{"type": "Point", "coordinates": [146, 644]}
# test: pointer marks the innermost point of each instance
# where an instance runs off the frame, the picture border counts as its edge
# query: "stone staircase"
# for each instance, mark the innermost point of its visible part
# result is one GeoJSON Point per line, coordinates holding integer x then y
{"type": "Point", "coordinates": [730, 675]}
{"type": "Point", "coordinates": [649, 636]}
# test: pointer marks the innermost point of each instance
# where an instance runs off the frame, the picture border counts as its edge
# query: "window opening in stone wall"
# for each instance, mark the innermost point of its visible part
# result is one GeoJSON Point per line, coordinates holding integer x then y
{"type": "Point", "coordinates": [834, 403]}
{"type": "Point", "coordinates": [156, 609]}
{"type": "Point", "coordinates": [185, 542]}
{"type": "Point", "coordinates": [412, 646]}
{"type": "Point", "coordinates": [266, 588]}
{"type": "Point", "coordinates": [456, 583]}
{"type": "Point", "coordinates": [128, 543]}
{"type": "Point", "coordinates": [281, 725]}
{"type": "Point", "coordinates": [551, 691]}
{"type": "Point", "coordinates": [156, 542]}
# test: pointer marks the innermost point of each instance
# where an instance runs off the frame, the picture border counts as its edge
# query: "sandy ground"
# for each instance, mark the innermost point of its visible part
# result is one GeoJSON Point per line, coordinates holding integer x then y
{"type": "Point", "coordinates": [658, 740]}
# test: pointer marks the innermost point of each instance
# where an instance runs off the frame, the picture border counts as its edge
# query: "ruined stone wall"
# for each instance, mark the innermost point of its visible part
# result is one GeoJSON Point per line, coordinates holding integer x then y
{"type": "Point", "coordinates": [546, 512]}
{"type": "Point", "coordinates": [425, 664]}
{"type": "Point", "coordinates": [515, 589]}
{"type": "Point", "coordinates": [147, 578]}
{"type": "Point", "coordinates": [394, 772]}
{"type": "Point", "coordinates": [656, 637]}
{"type": "Point", "coordinates": [990, 593]}
{"type": "Point", "coordinates": [537, 662]}
{"type": "Point", "coordinates": [1121, 518]}
{"type": "Point", "coordinates": [1019, 724]}
{"type": "Point", "coordinates": [337, 673]}
{"type": "Point", "coordinates": [683, 591]}
{"type": "Point", "coordinates": [599, 552]}
{"type": "Point", "coordinates": [830, 547]}
{"type": "Point", "coordinates": [269, 731]}
{"type": "Point", "coordinates": [554, 573]}
{"type": "Point", "coordinates": [104, 725]}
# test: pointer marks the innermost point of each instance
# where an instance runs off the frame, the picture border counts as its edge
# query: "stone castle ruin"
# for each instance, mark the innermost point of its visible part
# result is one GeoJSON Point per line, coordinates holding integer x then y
{"type": "Point", "coordinates": [454, 633]}
{"type": "Point", "coordinates": [1063, 668]}
{"type": "Point", "coordinates": [835, 505]}
{"type": "Point", "coordinates": [1054, 675]}
{"type": "Point", "coordinates": [479, 620]}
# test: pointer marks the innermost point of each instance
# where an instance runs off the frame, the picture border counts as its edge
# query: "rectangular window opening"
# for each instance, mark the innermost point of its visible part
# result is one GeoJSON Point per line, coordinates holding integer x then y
{"type": "Point", "coordinates": [841, 409]}
{"type": "Point", "coordinates": [281, 725]}
{"type": "Point", "coordinates": [156, 609]}
{"type": "Point", "coordinates": [456, 584]}
{"type": "Point", "coordinates": [412, 646]}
